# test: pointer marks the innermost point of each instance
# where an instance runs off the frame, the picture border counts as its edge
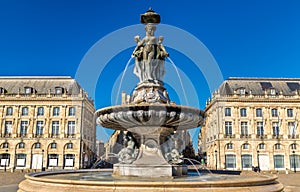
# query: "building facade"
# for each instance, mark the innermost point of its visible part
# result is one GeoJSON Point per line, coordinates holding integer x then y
{"type": "Point", "coordinates": [45, 122]}
{"type": "Point", "coordinates": [253, 122]}
{"type": "Point", "coordinates": [100, 149]}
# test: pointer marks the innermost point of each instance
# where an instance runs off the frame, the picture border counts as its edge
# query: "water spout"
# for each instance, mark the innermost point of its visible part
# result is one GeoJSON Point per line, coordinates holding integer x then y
{"type": "Point", "coordinates": [181, 84]}
{"type": "Point", "coordinates": [193, 165]}
{"type": "Point", "coordinates": [121, 81]}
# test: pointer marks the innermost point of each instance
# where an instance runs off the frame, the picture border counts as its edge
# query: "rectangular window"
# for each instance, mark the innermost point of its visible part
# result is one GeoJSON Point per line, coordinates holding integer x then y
{"type": "Point", "coordinates": [23, 127]}
{"type": "Point", "coordinates": [227, 112]}
{"type": "Point", "coordinates": [260, 128]}
{"type": "Point", "coordinates": [259, 112]}
{"type": "Point", "coordinates": [228, 127]}
{"type": "Point", "coordinates": [4, 160]}
{"type": "Point", "coordinates": [21, 160]}
{"type": "Point", "coordinates": [71, 128]}
{"type": "Point", "coordinates": [52, 160]}
{"type": "Point", "coordinates": [274, 113]}
{"type": "Point", "coordinates": [40, 111]}
{"type": "Point", "coordinates": [69, 160]}
{"type": "Point", "coordinates": [39, 127]}
{"type": "Point", "coordinates": [72, 111]}
{"type": "Point", "coordinates": [244, 128]}
{"type": "Point", "coordinates": [246, 161]}
{"type": "Point", "coordinates": [24, 111]}
{"type": "Point", "coordinates": [8, 128]}
{"type": "Point", "coordinates": [294, 161]}
{"type": "Point", "coordinates": [55, 128]}
{"type": "Point", "coordinates": [275, 127]}
{"type": "Point", "coordinates": [290, 113]}
{"type": "Point", "coordinates": [292, 129]}
{"type": "Point", "coordinates": [9, 111]}
{"type": "Point", "coordinates": [278, 161]}
{"type": "Point", "coordinates": [243, 112]}
{"type": "Point", "coordinates": [56, 111]}
{"type": "Point", "coordinates": [230, 161]}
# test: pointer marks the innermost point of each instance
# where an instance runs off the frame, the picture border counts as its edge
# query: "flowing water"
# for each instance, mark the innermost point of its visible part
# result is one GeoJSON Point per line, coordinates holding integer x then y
{"type": "Point", "coordinates": [198, 162]}
{"type": "Point", "coordinates": [181, 84]}
{"type": "Point", "coordinates": [121, 81]}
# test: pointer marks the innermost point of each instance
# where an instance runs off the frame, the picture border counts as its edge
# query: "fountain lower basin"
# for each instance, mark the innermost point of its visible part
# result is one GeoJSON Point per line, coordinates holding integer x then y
{"type": "Point", "coordinates": [102, 180]}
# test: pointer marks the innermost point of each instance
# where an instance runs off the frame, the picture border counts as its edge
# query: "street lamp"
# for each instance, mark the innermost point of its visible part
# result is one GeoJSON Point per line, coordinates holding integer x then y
{"type": "Point", "coordinates": [258, 161]}
{"type": "Point", "coordinates": [294, 161]}
{"type": "Point", "coordinates": [42, 169]}
{"type": "Point", "coordinates": [216, 159]}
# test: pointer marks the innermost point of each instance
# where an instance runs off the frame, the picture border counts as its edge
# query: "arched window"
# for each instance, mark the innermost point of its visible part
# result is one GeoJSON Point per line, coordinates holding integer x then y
{"type": "Point", "coordinates": [53, 145]}
{"type": "Point", "coordinates": [294, 146]}
{"type": "Point", "coordinates": [37, 145]}
{"type": "Point", "coordinates": [245, 146]}
{"type": "Point", "coordinates": [21, 145]}
{"type": "Point", "coordinates": [4, 145]}
{"type": "Point", "coordinates": [69, 145]}
{"type": "Point", "coordinates": [261, 146]}
{"type": "Point", "coordinates": [229, 146]}
{"type": "Point", "coordinates": [277, 146]}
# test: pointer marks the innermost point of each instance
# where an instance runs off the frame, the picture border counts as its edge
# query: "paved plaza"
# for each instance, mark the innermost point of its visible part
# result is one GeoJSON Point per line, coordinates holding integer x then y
{"type": "Point", "coordinates": [9, 181]}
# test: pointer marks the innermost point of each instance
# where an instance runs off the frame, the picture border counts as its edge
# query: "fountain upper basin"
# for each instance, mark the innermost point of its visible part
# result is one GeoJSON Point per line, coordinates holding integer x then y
{"type": "Point", "coordinates": [127, 117]}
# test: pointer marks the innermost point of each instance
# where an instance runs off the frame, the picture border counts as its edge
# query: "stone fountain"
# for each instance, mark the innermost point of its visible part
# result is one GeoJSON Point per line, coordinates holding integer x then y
{"type": "Point", "coordinates": [150, 117]}
{"type": "Point", "coordinates": [150, 160]}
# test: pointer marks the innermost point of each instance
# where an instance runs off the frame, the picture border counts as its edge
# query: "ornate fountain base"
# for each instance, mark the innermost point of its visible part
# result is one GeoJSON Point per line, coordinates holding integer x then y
{"type": "Point", "coordinates": [149, 164]}
{"type": "Point", "coordinates": [149, 171]}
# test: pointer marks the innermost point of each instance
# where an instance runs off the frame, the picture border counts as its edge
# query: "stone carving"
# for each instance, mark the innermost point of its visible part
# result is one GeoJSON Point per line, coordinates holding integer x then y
{"type": "Point", "coordinates": [128, 154]}
{"type": "Point", "coordinates": [171, 153]}
{"type": "Point", "coordinates": [149, 56]}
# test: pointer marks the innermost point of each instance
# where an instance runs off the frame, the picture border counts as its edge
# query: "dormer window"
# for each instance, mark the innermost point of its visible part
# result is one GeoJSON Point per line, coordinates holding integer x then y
{"type": "Point", "coordinates": [2, 90]}
{"type": "Point", "coordinates": [59, 90]}
{"type": "Point", "coordinates": [272, 91]}
{"type": "Point", "coordinates": [241, 91]}
{"type": "Point", "coordinates": [28, 90]}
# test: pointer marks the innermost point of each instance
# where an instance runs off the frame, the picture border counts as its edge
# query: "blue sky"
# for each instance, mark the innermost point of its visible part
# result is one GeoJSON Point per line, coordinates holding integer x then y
{"type": "Point", "coordinates": [249, 38]}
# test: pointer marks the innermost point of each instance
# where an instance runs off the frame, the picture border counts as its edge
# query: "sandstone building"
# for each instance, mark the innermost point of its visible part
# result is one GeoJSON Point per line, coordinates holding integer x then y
{"type": "Point", "coordinates": [253, 122]}
{"type": "Point", "coordinates": [45, 122]}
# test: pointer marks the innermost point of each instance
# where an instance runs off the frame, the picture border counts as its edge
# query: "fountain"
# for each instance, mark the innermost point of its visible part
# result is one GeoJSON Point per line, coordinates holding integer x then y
{"type": "Point", "coordinates": [150, 160]}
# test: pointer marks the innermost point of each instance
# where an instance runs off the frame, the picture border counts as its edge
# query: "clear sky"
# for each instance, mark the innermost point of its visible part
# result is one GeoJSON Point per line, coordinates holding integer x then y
{"type": "Point", "coordinates": [249, 38]}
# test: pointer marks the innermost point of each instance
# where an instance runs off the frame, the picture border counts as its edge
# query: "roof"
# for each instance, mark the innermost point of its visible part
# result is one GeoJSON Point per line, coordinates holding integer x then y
{"type": "Point", "coordinates": [41, 84]}
{"type": "Point", "coordinates": [259, 86]}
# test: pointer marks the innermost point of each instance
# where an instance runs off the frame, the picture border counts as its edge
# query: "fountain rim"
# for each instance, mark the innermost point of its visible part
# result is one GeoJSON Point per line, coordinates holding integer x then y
{"type": "Point", "coordinates": [250, 181]}
{"type": "Point", "coordinates": [152, 106]}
